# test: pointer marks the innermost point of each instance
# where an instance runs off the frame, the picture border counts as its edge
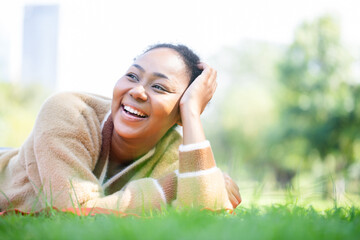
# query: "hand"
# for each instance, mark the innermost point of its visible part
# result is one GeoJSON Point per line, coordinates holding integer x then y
{"type": "Point", "coordinates": [193, 103]}
{"type": "Point", "coordinates": [199, 93]}
{"type": "Point", "coordinates": [232, 190]}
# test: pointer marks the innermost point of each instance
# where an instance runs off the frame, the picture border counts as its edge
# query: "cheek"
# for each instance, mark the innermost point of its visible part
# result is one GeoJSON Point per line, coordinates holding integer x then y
{"type": "Point", "coordinates": [121, 87]}
{"type": "Point", "coordinates": [167, 108]}
{"type": "Point", "coordinates": [118, 88]}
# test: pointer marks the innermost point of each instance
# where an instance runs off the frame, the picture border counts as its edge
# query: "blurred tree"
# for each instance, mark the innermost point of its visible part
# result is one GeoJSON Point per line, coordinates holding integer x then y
{"type": "Point", "coordinates": [243, 106]}
{"type": "Point", "coordinates": [319, 111]}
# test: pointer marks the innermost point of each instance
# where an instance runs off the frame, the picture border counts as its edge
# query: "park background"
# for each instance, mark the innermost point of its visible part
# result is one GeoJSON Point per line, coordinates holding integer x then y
{"type": "Point", "coordinates": [284, 122]}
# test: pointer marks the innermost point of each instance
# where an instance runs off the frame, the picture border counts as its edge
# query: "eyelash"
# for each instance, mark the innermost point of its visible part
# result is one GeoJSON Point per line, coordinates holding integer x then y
{"type": "Point", "coordinates": [132, 76]}
{"type": "Point", "coordinates": [158, 87]}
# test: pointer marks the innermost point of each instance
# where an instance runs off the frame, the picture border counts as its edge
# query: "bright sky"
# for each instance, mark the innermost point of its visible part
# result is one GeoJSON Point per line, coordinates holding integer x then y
{"type": "Point", "coordinates": [99, 38]}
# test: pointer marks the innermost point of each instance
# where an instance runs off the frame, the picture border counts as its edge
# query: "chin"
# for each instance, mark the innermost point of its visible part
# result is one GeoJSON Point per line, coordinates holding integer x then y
{"type": "Point", "coordinates": [128, 132]}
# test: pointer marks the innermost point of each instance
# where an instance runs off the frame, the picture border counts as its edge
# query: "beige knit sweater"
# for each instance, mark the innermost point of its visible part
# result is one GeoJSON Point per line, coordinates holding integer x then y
{"type": "Point", "coordinates": [64, 163]}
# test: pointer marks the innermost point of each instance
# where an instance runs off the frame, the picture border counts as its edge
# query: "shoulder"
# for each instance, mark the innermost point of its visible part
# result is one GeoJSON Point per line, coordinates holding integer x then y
{"type": "Point", "coordinates": [76, 98]}
{"type": "Point", "coordinates": [67, 110]}
{"type": "Point", "coordinates": [69, 103]}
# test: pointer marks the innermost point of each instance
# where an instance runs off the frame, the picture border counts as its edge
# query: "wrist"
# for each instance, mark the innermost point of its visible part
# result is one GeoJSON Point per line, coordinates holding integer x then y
{"type": "Point", "coordinates": [192, 128]}
{"type": "Point", "coordinates": [189, 110]}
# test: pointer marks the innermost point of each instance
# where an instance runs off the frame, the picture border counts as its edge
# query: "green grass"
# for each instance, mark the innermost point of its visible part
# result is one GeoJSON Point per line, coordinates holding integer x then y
{"type": "Point", "coordinates": [265, 222]}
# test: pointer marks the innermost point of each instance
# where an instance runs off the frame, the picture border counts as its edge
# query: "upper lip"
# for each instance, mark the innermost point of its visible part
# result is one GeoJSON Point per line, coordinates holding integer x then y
{"type": "Point", "coordinates": [136, 108]}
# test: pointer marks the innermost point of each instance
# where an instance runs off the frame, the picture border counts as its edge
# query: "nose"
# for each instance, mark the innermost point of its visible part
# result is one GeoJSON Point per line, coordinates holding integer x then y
{"type": "Point", "coordinates": [138, 93]}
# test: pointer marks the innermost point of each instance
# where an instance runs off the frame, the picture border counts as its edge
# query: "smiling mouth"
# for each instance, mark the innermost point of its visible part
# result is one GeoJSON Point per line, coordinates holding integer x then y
{"type": "Point", "coordinates": [133, 112]}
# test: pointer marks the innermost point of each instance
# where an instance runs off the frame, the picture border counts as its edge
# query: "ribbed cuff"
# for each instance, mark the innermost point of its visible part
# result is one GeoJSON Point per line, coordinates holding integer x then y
{"type": "Point", "coordinates": [194, 146]}
{"type": "Point", "coordinates": [196, 160]}
{"type": "Point", "coordinates": [169, 186]}
{"type": "Point", "coordinates": [196, 173]}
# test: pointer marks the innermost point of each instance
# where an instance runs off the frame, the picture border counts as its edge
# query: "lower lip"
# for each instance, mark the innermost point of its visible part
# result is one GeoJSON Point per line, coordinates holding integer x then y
{"type": "Point", "coordinates": [130, 117]}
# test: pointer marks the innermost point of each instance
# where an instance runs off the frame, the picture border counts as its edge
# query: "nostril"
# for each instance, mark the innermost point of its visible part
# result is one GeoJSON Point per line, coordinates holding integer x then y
{"type": "Point", "coordinates": [138, 93]}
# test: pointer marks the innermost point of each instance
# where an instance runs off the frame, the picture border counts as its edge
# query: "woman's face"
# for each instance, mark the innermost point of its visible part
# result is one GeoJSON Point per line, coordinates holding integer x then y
{"type": "Point", "coordinates": [146, 99]}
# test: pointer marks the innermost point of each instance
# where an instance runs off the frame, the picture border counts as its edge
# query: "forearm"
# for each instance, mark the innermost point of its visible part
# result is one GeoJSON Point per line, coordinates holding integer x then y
{"type": "Point", "coordinates": [192, 128]}
{"type": "Point", "coordinates": [200, 182]}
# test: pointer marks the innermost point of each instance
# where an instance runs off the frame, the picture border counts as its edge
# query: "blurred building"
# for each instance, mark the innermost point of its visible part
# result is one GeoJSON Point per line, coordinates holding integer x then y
{"type": "Point", "coordinates": [4, 56]}
{"type": "Point", "coordinates": [40, 44]}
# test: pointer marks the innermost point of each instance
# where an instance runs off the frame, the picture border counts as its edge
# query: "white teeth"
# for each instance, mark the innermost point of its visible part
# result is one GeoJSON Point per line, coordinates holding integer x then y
{"type": "Point", "coordinates": [133, 111]}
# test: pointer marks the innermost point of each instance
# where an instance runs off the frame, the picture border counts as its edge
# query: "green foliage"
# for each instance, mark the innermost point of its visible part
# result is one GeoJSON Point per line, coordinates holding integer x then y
{"type": "Point", "coordinates": [18, 108]}
{"type": "Point", "coordinates": [269, 222]}
{"type": "Point", "coordinates": [318, 104]}
{"type": "Point", "coordinates": [290, 109]}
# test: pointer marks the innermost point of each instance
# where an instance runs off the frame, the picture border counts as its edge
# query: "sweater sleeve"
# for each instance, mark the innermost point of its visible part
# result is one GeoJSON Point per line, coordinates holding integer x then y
{"type": "Point", "coordinates": [62, 151]}
{"type": "Point", "coordinates": [138, 196]}
{"type": "Point", "coordinates": [200, 182]}
{"type": "Point", "coordinates": [197, 183]}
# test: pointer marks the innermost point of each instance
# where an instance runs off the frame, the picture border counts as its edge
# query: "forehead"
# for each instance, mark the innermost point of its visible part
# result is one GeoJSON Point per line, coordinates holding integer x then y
{"type": "Point", "coordinates": [163, 60]}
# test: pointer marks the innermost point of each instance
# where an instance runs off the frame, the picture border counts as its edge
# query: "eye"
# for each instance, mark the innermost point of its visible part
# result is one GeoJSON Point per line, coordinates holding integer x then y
{"type": "Point", "coordinates": [132, 76]}
{"type": "Point", "coordinates": [160, 88]}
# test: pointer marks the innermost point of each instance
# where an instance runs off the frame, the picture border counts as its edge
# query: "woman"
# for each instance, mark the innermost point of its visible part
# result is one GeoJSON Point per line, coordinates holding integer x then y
{"type": "Point", "coordinates": [124, 153]}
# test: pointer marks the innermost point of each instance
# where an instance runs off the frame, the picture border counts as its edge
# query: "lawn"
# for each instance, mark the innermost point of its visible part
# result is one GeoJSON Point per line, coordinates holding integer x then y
{"type": "Point", "coordinates": [278, 221]}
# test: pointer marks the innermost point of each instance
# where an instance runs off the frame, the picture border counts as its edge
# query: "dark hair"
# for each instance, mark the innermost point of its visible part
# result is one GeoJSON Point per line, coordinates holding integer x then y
{"type": "Point", "coordinates": [190, 59]}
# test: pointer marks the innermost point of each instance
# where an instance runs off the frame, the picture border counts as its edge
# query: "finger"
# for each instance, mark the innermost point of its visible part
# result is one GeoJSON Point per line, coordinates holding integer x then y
{"type": "Point", "coordinates": [212, 80]}
{"type": "Point", "coordinates": [234, 202]}
{"type": "Point", "coordinates": [204, 77]}
{"type": "Point", "coordinates": [214, 86]}
{"type": "Point", "coordinates": [202, 65]}
{"type": "Point", "coordinates": [232, 188]}
{"type": "Point", "coordinates": [207, 70]}
{"type": "Point", "coordinates": [237, 195]}
{"type": "Point", "coordinates": [229, 185]}
{"type": "Point", "coordinates": [229, 179]}
{"type": "Point", "coordinates": [233, 183]}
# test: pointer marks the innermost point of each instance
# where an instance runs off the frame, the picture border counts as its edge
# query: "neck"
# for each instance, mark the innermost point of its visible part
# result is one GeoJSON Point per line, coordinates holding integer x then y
{"type": "Point", "coordinates": [125, 151]}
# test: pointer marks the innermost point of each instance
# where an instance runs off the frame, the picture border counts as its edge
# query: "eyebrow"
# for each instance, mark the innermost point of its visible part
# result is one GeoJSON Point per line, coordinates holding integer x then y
{"type": "Point", "coordinates": [155, 73]}
{"type": "Point", "coordinates": [139, 67]}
